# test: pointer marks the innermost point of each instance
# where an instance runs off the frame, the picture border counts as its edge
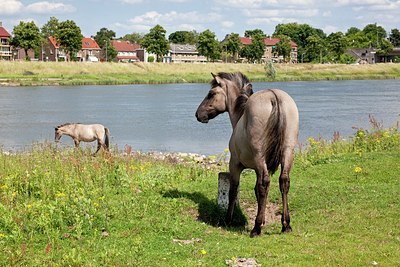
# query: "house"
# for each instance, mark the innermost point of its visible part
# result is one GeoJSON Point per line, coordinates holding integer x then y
{"type": "Point", "coordinates": [363, 55]}
{"type": "Point", "coordinates": [52, 51]}
{"type": "Point", "coordinates": [184, 53]}
{"type": "Point", "coordinates": [269, 53]}
{"type": "Point", "coordinates": [126, 51]}
{"type": "Point", "coordinates": [90, 50]}
{"type": "Point", "coordinates": [5, 47]}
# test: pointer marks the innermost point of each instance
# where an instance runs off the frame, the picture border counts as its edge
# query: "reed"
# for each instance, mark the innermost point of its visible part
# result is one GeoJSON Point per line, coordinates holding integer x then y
{"type": "Point", "coordinates": [79, 73]}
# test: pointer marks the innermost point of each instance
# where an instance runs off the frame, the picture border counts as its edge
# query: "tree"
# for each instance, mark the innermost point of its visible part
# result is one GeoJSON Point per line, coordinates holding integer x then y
{"type": "Point", "coordinates": [337, 44]}
{"type": "Point", "coordinates": [134, 38]}
{"type": "Point", "coordinates": [385, 47]}
{"type": "Point", "coordinates": [183, 37]}
{"type": "Point", "coordinates": [104, 36]}
{"type": "Point", "coordinates": [314, 49]}
{"type": "Point", "coordinates": [155, 42]}
{"type": "Point", "coordinates": [232, 45]}
{"type": "Point", "coordinates": [253, 33]}
{"type": "Point", "coordinates": [208, 45]}
{"type": "Point", "coordinates": [69, 37]}
{"type": "Point", "coordinates": [298, 33]}
{"type": "Point", "coordinates": [254, 51]}
{"type": "Point", "coordinates": [50, 28]}
{"type": "Point", "coordinates": [26, 36]}
{"type": "Point", "coordinates": [375, 34]}
{"type": "Point", "coordinates": [394, 37]}
{"type": "Point", "coordinates": [284, 48]}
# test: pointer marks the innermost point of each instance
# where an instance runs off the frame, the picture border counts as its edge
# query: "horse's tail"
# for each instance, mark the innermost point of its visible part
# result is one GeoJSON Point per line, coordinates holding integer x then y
{"type": "Point", "coordinates": [275, 135]}
{"type": "Point", "coordinates": [107, 140]}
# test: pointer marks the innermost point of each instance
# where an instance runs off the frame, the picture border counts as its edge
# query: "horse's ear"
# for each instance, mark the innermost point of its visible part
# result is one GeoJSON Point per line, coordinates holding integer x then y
{"type": "Point", "coordinates": [213, 75]}
{"type": "Point", "coordinates": [218, 79]}
{"type": "Point", "coordinates": [248, 88]}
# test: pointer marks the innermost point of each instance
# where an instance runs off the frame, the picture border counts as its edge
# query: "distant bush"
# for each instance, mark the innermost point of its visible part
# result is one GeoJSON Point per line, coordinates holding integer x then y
{"type": "Point", "coordinates": [375, 139]}
{"type": "Point", "coordinates": [150, 59]}
{"type": "Point", "coordinates": [270, 70]}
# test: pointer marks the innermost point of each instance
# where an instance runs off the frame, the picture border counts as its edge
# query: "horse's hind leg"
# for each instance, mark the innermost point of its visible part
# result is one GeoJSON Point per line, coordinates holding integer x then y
{"type": "Point", "coordinates": [284, 185]}
{"type": "Point", "coordinates": [99, 145]}
{"type": "Point", "coordinates": [261, 190]}
{"type": "Point", "coordinates": [235, 170]}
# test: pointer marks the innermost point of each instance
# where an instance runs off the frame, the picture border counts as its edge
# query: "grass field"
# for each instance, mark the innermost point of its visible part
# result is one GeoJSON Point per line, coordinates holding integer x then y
{"type": "Point", "coordinates": [67, 208]}
{"type": "Point", "coordinates": [79, 73]}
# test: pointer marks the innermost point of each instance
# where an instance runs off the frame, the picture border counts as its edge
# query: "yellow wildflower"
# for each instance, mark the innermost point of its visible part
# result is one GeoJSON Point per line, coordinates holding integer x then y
{"type": "Point", "coordinates": [4, 187]}
{"type": "Point", "coordinates": [2, 235]}
{"type": "Point", "coordinates": [203, 252]}
{"type": "Point", "coordinates": [60, 194]}
{"type": "Point", "coordinates": [357, 169]}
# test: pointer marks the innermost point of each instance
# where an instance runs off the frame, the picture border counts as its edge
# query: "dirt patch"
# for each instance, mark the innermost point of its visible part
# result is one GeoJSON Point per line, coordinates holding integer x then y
{"type": "Point", "coordinates": [272, 212]}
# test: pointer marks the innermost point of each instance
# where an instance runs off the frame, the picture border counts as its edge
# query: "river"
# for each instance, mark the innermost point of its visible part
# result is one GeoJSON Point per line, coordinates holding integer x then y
{"type": "Point", "coordinates": [161, 117]}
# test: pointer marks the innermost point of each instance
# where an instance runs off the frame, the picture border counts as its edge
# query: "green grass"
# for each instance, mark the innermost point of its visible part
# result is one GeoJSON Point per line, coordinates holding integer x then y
{"type": "Point", "coordinates": [65, 207]}
{"type": "Point", "coordinates": [79, 73]}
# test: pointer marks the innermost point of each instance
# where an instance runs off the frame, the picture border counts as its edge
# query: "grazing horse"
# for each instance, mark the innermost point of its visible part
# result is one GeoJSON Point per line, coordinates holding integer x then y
{"type": "Point", "coordinates": [265, 132]}
{"type": "Point", "coordinates": [86, 133]}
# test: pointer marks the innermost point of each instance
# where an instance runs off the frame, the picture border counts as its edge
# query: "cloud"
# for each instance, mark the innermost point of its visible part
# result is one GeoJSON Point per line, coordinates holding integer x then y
{"type": "Point", "coordinates": [192, 20]}
{"type": "Point", "coordinates": [49, 8]}
{"type": "Point", "coordinates": [227, 24]}
{"type": "Point", "coordinates": [281, 13]}
{"type": "Point", "coordinates": [131, 1]}
{"type": "Point", "coordinates": [10, 7]}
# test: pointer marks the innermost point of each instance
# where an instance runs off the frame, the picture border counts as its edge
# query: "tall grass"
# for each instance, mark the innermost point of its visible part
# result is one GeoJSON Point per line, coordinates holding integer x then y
{"type": "Point", "coordinates": [78, 73]}
{"type": "Point", "coordinates": [65, 207]}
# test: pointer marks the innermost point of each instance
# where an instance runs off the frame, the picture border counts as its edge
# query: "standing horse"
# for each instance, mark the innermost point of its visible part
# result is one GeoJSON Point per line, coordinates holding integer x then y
{"type": "Point", "coordinates": [86, 133]}
{"type": "Point", "coordinates": [265, 131]}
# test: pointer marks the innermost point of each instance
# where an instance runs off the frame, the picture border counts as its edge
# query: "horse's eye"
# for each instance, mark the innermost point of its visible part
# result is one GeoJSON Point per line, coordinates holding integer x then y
{"type": "Point", "coordinates": [210, 95]}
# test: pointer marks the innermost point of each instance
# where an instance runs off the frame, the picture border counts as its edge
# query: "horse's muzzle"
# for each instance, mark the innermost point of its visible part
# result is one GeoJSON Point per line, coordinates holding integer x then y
{"type": "Point", "coordinates": [202, 119]}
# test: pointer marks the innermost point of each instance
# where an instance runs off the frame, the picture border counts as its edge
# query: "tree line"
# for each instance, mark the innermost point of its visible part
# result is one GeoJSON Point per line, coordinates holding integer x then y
{"type": "Point", "coordinates": [313, 44]}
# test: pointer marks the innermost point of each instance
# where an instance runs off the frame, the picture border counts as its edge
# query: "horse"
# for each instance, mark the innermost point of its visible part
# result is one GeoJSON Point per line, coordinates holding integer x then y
{"type": "Point", "coordinates": [86, 133]}
{"type": "Point", "coordinates": [265, 132]}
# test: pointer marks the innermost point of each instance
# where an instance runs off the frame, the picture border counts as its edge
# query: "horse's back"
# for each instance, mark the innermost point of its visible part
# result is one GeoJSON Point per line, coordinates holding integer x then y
{"type": "Point", "coordinates": [249, 136]}
{"type": "Point", "coordinates": [90, 132]}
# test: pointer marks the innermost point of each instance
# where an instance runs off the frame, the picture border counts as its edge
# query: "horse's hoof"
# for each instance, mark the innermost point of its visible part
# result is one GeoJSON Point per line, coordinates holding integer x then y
{"type": "Point", "coordinates": [286, 229]}
{"type": "Point", "coordinates": [255, 232]}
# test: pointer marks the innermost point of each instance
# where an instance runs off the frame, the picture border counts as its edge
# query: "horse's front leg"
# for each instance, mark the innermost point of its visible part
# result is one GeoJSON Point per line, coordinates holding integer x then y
{"type": "Point", "coordinates": [261, 190]}
{"type": "Point", "coordinates": [76, 142]}
{"type": "Point", "coordinates": [235, 169]}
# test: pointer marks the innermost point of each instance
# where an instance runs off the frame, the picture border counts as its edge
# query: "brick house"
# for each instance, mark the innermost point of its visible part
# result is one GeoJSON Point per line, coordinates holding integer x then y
{"type": "Point", "coordinates": [90, 50]}
{"type": "Point", "coordinates": [126, 51]}
{"type": "Point", "coordinates": [52, 51]}
{"type": "Point", "coordinates": [5, 47]}
{"type": "Point", "coordinates": [270, 44]}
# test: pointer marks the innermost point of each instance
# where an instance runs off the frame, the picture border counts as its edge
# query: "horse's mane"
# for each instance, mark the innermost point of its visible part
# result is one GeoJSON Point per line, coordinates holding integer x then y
{"type": "Point", "coordinates": [240, 81]}
{"type": "Point", "coordinates": [66, 124]}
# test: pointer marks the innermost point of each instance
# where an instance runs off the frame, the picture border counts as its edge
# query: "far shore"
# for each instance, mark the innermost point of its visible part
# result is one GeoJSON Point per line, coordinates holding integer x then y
{"type": "Point", "coordinates": [22, 73]}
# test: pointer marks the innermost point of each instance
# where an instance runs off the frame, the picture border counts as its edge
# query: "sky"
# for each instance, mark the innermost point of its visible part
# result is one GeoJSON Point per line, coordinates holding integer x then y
{"type": "Point", "coordinates": [220, 16]}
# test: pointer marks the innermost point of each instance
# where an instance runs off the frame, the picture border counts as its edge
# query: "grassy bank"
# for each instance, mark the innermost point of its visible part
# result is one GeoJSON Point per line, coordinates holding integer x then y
{"type": "Point", "coordinates": [76, 73]}
{"type": "Point", "coordinates": [65, 207]}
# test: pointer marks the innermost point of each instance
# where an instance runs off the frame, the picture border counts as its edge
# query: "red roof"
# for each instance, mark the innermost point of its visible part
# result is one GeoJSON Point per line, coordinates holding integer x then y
{"type": "Point", "coordinates": [124, 46]}
{"type": "Point", "coordinates": [268, 41]}
{"type": "Point", "coordinates": [4, 32]}
{"type": "Point", "coordinates": [89, 43]}
{"type": "Point", "coordinates": [53, 42]}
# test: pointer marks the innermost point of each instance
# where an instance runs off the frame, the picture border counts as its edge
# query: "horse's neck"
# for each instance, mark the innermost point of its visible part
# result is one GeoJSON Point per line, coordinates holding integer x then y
{"type": "Point", "coordinates": [71, 130]}
{"type": "Point", "coordinates": [234, 116]}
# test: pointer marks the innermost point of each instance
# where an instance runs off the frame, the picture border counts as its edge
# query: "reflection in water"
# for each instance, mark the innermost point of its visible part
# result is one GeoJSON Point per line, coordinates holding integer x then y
{"type": "Point", "coordinates": [161, 117]}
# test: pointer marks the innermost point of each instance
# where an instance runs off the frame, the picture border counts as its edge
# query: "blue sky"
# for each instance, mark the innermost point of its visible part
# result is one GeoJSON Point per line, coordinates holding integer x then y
{"type": "Point", "coordinates": [220, 16]}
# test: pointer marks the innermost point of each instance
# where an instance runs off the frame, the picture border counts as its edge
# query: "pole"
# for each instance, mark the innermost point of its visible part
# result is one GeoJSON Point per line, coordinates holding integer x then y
{"type": "Point", "coordinates": [106, 50]}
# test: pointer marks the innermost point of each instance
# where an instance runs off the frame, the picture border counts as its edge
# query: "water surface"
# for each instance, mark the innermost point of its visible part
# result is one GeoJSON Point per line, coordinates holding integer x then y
{"type": "Point", "coordinates": [161, 117]}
